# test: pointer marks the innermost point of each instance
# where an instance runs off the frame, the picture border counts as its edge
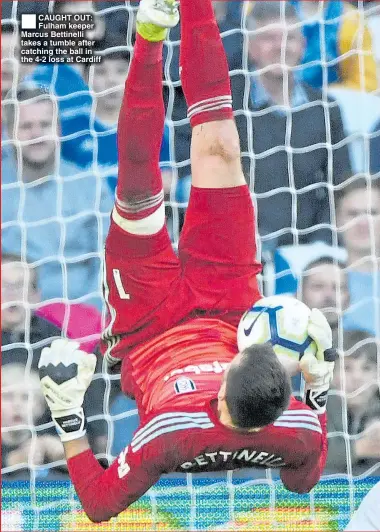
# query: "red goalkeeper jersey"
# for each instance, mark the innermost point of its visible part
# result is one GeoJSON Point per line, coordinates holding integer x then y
{"type": "Point", "coordinates": [177, 378]}
{"type": "Point", "coordinates": [181, 366]}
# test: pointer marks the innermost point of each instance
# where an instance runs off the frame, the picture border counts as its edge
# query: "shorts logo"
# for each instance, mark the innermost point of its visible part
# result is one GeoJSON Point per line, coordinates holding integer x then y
{"type": "Point", "coordinates": [215, 367]}
{"type": "Point", "coordinates": [184, 385]}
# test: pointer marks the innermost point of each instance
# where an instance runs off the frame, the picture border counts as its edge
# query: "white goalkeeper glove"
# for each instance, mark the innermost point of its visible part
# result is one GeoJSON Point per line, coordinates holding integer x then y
{"type": "Point", "coordinates": [318, 370]}
{"type": "Point", "coordinates": [65, 374]}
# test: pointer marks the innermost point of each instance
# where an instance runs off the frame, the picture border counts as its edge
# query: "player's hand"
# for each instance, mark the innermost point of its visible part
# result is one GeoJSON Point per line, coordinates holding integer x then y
{"type": "Point", "coordinates": [318, 375]}
{"type": "Point", "coordinates": [318, 370]}
{"type": "Point", "coordinates": [66, 373]}
{"type": "Point", "coordinates": [320, 331]}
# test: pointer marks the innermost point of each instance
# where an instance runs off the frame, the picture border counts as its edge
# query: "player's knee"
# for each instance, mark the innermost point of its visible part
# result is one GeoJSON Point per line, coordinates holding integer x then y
{"type": "Point", "coordinates": [219, 139]}
{"type": "Point", "coordinates": [226, 147]}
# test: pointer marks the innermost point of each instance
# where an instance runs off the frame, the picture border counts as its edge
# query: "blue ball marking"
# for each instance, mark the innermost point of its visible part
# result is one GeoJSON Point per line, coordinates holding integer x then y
{"type": "Point", "coordinates": [275, 338]}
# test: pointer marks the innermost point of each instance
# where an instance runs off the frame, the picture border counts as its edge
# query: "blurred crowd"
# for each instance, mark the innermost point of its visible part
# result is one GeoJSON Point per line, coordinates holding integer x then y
{"type": "Point", "coordinates": [305, 78]}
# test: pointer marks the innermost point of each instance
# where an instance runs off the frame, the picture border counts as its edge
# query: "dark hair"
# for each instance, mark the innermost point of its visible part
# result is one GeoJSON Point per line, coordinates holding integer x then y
{"type": "Point", "coordinates": [357, 344]}
{"type": "Point", "coordinates": [360, 182]}
{"type": "Point", "coordinates": [6, 258]}
{"type": "Point", "coordinates": [8, 28]}
{"type": "Point", "coordinates": [29, 91]}
{"type": "Point", "coordinates": [325, 259]}
{"type": "Point", "coordinates": [112, 47]}
{"type": "Point", "coordinates": [258, 389]}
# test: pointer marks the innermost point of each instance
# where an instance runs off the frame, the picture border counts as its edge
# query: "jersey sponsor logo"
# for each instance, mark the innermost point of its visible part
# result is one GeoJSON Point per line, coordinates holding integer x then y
{"type": "Point", "coordinates": [184, 385]}
{"type": "Point", "coordinates": [123, 468]}
{"type": "Point", "coordinates": [234, 459]}
{"type": "Point", "coordinates": [169, 422]}
{"type": "Point", "coordinates": [215, 367]}
{"type": "Point", "coordinates": [299, 419]}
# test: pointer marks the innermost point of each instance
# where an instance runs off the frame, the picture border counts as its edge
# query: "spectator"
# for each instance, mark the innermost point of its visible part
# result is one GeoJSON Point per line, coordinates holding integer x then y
{"type": "Point", "coordinates": [360, 113]}
{"type": "Point", "coordinates": [359, 394]}
{"type": "Point", "coordinates": [324, 286]}
{"type": "Point", "coordinates": [28, 435]}
{"type": "Point", "coordinates": [52, 211]}
{"type": "Point", "coordinates": [290, 262]}
{"type": "Point", "coordinates": [374, 147]}
{"type": "Point", "coordinates": [62, 7]}
{"type": "Point", "coordinates": [228, 17]}
{"type": "Point", "coordinates": [373, 20]}
{"type": "Point", "coordinates": [11, 9]}
{"type": "Point", "coordinates": [88, 140]}
{"type": "Point", "coordinates": [106, 82]}
{"type": "Point", "coordinates": [289, 163]}
{"type": "Point", "coordinates": [11, 69]}
{"type": "Point", "coordinates": [338, 49]}
{"type": "Point", "coordinates": [22, 411]}
{"type": "Point", "coordinates": [358, 220]}
{"type": "Point", "coordinates": [118, 17]}
{"type": "Point", "coordinates": [24, 334]}
{"type": "Point", "coordinates": [20, 326]}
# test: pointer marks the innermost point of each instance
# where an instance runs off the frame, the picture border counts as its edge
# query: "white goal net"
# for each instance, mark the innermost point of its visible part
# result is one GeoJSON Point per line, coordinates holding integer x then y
{"type": "Point", "coordinates": [305, 82]}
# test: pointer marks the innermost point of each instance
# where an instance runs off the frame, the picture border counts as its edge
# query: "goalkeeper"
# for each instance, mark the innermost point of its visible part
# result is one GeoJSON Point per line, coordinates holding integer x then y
{"type": "Point", "coordinates": [173, 321]}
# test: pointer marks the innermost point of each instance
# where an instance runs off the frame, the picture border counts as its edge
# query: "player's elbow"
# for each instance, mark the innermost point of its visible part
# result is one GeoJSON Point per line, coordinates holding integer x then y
{"type": "Point", "coordinates": [301, 489]}
{"type": "Point", "coordinates": [101, 514]}
{"type": "Point", "coordinates": [299, 483]}
{"type": "Point", "coordinates": [96, 516]}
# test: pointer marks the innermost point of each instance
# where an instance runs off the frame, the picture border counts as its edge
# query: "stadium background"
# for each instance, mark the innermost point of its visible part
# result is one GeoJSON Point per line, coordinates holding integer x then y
{"type": "Point", "coordinates": [57, 285]}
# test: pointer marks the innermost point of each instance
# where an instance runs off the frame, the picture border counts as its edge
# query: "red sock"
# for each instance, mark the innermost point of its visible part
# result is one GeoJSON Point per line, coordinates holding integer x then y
{"type": "Point", "coordinates": [204, 75]}
{"type": "Point", "coordinates": [140, 131]}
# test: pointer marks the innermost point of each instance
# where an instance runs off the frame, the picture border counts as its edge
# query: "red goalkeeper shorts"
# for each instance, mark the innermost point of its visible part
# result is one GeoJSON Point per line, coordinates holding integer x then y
{"type": "Point", "coordinates": [149, 289]}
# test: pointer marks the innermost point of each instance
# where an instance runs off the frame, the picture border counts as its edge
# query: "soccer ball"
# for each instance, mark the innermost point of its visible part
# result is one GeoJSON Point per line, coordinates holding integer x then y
{"type": "Point", "coordinates": [282, 321]}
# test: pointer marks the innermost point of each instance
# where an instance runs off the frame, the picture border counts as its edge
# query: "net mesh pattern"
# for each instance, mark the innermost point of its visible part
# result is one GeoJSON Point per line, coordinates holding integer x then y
{"type": "Point", "coordinates": [228, 501]}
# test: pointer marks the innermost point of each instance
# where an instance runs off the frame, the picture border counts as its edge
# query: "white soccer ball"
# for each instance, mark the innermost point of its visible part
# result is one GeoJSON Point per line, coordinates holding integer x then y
{"type": "Point", "coordinates": [282, 321]}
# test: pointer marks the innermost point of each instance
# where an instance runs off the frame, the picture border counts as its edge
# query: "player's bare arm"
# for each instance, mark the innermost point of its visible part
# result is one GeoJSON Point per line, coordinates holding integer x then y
{"type": "Point", "coordinates": [75, 447]}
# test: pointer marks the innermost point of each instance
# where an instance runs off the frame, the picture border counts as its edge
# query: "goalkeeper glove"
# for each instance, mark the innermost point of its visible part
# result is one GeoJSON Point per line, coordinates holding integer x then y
{"type": "Point", "coordinates": [65, 374]}
{"type": "Point", "coordinates": [318, 370]}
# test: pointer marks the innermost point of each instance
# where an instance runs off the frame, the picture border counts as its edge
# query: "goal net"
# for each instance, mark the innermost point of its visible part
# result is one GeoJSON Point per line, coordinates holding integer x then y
{"type": "Point", "coordinates": [36, 492]}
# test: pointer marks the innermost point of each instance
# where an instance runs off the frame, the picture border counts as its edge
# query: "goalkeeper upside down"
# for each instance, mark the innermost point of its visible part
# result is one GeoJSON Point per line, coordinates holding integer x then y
{"type": "Point", "coordinates": [202, 406]}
